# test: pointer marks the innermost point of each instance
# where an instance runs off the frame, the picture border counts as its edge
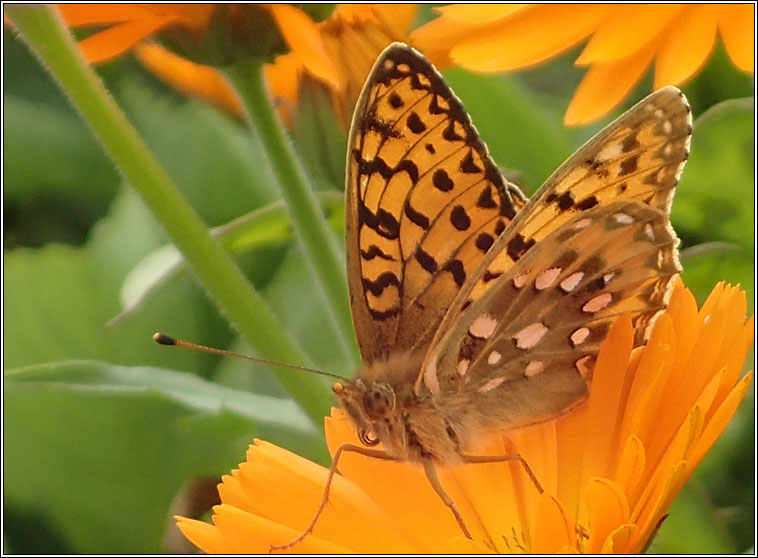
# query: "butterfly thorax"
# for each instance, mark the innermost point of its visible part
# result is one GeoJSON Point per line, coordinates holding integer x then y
{"type": "Point", "coordinates": [385, 409]}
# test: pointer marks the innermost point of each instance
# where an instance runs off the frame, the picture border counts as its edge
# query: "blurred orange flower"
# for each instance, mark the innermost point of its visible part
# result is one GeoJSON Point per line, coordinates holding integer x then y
{"type": "Point", "coordinates": [610, 469]}
{"type": "Point", "coordinates": [353, 36]}
{"type": "Point", "coordinates": [625, 39]}
{"type": "Point", "coordinates": [337, 52]}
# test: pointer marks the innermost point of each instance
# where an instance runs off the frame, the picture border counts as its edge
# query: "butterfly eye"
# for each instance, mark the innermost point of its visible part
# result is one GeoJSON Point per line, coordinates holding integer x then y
{"type": "Point", "coordinates": [367, 438]}
{"type": "Point", "coordinates": [379, 401]}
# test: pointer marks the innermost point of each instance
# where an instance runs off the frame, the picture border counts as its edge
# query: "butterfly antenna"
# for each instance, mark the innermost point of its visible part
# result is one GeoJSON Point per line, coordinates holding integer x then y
{"type": "Point", "coordinates": [163, 339]}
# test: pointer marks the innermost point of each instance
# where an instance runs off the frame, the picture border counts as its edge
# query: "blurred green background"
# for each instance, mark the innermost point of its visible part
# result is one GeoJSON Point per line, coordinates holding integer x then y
{"type": "Point", "coordinates": [102, 428]}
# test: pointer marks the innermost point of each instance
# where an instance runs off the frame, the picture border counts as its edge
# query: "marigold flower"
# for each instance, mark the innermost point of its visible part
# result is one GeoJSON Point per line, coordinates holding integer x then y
{"type": "Point", "coordinates": [611, 468]}
{"type": "Point", "coordinates": [625, 39]}
{"type": "Point", "coordinates": [127, 25]}
{"type": "Point", "coordinates": [353, 36]}
{"type": "Point", "coordinates": [338, 52]}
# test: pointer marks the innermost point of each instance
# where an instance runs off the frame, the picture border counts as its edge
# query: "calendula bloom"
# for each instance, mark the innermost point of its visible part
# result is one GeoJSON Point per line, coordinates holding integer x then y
{"type": "Point", "coordinates": [610, 469]}
{"type": "Point", "coordinates": [624, 41]}
{"type": "Point", "coordinates": [353, 36]}
{"type": "Point", "coordinates": [338, 52]}
{"type": "Point", "coordinates": [127, 25]}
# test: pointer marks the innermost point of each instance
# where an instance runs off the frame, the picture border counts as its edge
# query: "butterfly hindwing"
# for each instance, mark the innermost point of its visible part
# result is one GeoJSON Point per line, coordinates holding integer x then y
{"type": "Point", "coordinates": [526, 348]}
{"type": "Point", "coordinates": [424, 203]}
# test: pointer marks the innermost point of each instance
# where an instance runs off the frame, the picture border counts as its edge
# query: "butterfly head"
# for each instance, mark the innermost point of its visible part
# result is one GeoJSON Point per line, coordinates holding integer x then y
{"type": "Point", "coordinates": [369, 404]}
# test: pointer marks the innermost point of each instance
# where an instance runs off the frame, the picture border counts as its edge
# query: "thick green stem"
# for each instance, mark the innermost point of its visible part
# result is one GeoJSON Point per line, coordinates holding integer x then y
{"type": "Point", "coordinates": [311, 229]}
{"type": "Point", "coordinates": [50, 40]}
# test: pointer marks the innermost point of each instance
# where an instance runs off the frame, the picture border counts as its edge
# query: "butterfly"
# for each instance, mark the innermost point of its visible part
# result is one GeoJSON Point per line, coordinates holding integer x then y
{"type": "Point", "coordinates": [475, 309]}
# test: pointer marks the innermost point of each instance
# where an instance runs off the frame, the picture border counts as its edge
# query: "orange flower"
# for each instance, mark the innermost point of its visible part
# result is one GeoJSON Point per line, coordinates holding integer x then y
{"type": "Point", "coordinates": [353, 36]}
{"type": "Point", "coordinates": [610, 469]}
{"type": "Point", "coordinates": [337, 52]}
{"type": "Point", "coordinates": [624, 41]}
{"type": "Point", "coordinates": [129, 24]}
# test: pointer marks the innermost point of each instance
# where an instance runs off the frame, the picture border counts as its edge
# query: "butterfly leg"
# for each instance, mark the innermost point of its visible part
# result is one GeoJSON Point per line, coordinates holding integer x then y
{"type": "Point", "coordinates": [431, 474]}
{"type": "Point", "coordinates": [500, 458]}
{"type": "Point", "coordinates": [377, 454]}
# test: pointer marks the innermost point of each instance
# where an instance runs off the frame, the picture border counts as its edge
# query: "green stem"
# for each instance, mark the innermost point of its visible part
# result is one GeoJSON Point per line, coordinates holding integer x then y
{"type": "Point", "coordinates": [312, 232]}
{"type": "Point", "coordinates": [47, 36]}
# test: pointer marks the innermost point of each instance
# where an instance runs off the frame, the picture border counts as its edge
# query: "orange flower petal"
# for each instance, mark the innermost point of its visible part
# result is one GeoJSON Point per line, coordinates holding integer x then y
{"type": "Point", "coordinates": [631, 466]}
{"type": "Point", "coordinates": [116, 40]}
{"type": "Point", "coordinates": [737, 28]}
{"type": "Point", "coordinates": [196, 80]}
{"type": "Point", "coordinates": [479, 13]}
{"type": "Point", "coordinates": [552, 528]}
{"type": "Point", "coordinates": [493, 516]}
{"type": "Point", "coordinates": [278, 478]}
{"type": "Point", "coordinates": [735, 353]}
{"type": "Point", "coordinates": [428, 38]}
{"type": "Point", "coordinates": [396, 18]}
{"type": "Point", "coordinates": [203, 535]}
{"type": "Point", "coordinates": [631, 28]}
{"type": "Point", "coordinates": [696, 28]}
{"type": "Point", "coordinates": [607, 508]}
{"type": "Point", "coordinates": [531, 36]}
{"type": "Point", "coordinates": [621, 540]}
{"type": "Point", "coordinates": [75, 15]}
{"type": "Point", "coordinates": [721, 418]}
{"type": "Point", "coordinates": [605, 85]}
{"type": "Point", "coordinates": [661, 500]}
{"type": "Point", "coordinates": [438, 36]}
{"type": "Point", "coordinates": [245, 533]}
{"type": "Point", "coordinates": [605, 401]}
{"type": "Point", "coordinates": [662, 478]}
{"type": "Point", "coordinates": [648, 387]}
{"type": "Point", "coordinates": [403, 486]}
{"type": "Point", "coordinates": [303, 37]}
{"type": "Point", "coordinates": [283, 78]}
{"type": "Point", "coordinates": [460, 545]}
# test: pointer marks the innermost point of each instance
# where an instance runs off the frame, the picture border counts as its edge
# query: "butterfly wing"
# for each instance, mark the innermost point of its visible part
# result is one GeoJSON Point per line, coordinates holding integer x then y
{"type": "Point", "coordinates": [525, 350]}
{"type": "Point", "coordinates": [424, 203]}
{"type": "Point", "coordinates": [638, 157]}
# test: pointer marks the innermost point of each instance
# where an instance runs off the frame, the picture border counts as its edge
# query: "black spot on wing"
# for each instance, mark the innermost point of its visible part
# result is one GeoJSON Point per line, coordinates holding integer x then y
{"type": "Point", "coordinates": [587, 203]}
{"type": "Point", "coordinates": [459, 218]}
{"type": "Point", "coordinates": [416, 217]}
{"type": "Point", "coordinates": [415, 124]}
{"type": "Point", "coordinates": [426, 260]}
{"type": "Point", "coordinates": [442, 181]}
{"type": "Point", "coordinates": [518, 245]}
{"type": "Point", "coordinates": [455, 267]}
{"type": "Point", "coordinates": [485, 200]}
{"type": "Point", "coordinates": [377, 286]}
{"type": "Point", "coordinates": [468, 166]}
{"type": "Point", "coordinates": [375, 252]}
{"type": "Point", "coordinates": [484, 241]}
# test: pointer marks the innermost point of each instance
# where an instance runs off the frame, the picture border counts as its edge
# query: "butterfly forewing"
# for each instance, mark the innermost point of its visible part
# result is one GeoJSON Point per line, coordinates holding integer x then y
{"type": "Point", "coordinates": [424, 204]}
{"type": "Point", "coordinates": [638, 157]}
{"type": "Point", "coordinates": [525, 349]}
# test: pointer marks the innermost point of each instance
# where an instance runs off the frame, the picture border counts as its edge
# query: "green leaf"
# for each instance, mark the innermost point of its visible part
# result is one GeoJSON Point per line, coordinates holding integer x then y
{"type": "Point", "coordinates": [715, 200]}
{"type": "Point", "coordinates": [522, 133]}
{"type": "Point", "coordinates": [100, 451]}
{"type": "Point", "coordinates": [48, 151]}
{"type": "Point", "coordinates": [220, 167]}
{"type": "Point", "coordinates": [691, 527]}
{"type": "Point", "coordinates": [60, 298]}
{"type": "Point", "coordinates": [263, 228]}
